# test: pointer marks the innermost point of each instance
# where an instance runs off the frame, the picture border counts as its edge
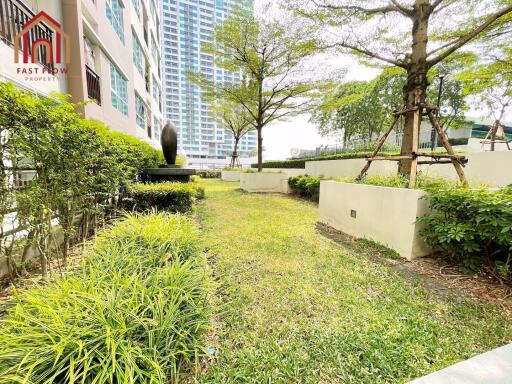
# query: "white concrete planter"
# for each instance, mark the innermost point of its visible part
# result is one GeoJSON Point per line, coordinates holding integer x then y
{"type": "Point", "coordinates": [230, 175]}
{"type": "Point", "coordinates": [382, 214]}
{"type": "Point", "coordinates": [264, 182]}
{"type": "Point", "coordinates": [290, 172]}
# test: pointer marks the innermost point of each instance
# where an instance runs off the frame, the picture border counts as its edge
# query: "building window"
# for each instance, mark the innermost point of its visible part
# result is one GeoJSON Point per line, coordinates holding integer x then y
{"type": "Point", "coordinates": [141, 112]}
{"type": "Point", "coordinates": [115, 16]}
{"type": "Point", "coordinates": [137, 6]}
{"type": "Point", "coordinates": [155, 90]}
{"type": "Point", "coordinates": [154, 50]}
{"type": "Point", "coordinates": [157, 128]}
{"type": "Point", "coordinates": [152, 9]}
{"type": "Point", "coordinates": [138, 55]}
{"type": "Point", "coordinates": [119, 90]}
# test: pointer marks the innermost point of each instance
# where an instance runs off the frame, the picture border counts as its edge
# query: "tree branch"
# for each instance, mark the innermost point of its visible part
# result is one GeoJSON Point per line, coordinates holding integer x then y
{"type": "Point", "coordinates": [371, 54]}
{"type": "Point", "coordinates": [463, 40]}
{"type": "Point", "coordinates": [367, 11]}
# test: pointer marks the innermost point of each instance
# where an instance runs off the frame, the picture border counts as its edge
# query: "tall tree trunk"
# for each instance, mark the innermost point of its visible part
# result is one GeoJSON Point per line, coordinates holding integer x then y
{"type": "Point", "coordinates": [415, 89]}
{"type": "Point", "coordinates": [493, 133]}
{"type": "Point", "coordinates": [234, 156]}
{"type": "Point", "coordinates": [260, 150]}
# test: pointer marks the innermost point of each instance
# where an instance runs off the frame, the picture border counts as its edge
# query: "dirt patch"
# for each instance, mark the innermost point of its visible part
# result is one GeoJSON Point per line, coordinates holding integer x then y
{"type": "Point", "coordinates": [437, 275]}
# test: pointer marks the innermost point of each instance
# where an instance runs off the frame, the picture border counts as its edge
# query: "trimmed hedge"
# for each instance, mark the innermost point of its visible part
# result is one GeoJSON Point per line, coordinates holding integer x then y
{"type": "Point", "coordinates": [209, 174]}
{"type": "Point", "coordinates": [459, 141]}
{"type": "Point", "coordinates": [471, 227]}
{"type": "Point", "coordinates": [172, 197]}
{"type": "Point", "coordinates": [301, 163]}
{"type": "Point", "coordinates": [306, 186]}
{"type": "Point", "coordinates": [142, 323]}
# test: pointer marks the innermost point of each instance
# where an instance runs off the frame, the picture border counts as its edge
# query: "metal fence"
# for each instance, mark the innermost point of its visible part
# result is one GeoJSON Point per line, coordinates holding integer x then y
{"type": "Point", "coordinates": [392, 144]}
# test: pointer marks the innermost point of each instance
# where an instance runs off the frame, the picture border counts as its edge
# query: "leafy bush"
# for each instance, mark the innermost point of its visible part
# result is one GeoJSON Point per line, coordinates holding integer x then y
{"type": "Point", "coordinates": [305, 186]}
{"type": "Point", "coordinates": [399, 181]}
{"type": "Point", "coordinates": [173, 197]}
{"type": "Point", "coordinates": [459, 141]}
{"type": "Point", "coordinates": [209, 174]}
{"type": "Point", "coordinates": [233, 169]}
{"type": "Point", "coordinates": [472, 227]}
{"type": "Point", "coordinates": [80, 166]}
{"type": "Point", "coordinates": [105, 325]}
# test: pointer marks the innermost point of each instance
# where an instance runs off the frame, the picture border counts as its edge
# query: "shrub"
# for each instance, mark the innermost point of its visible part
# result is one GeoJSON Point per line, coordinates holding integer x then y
{"type": "Point", "coordinates": [105, 325]}
{"type": "Point", "coordinates": [209, 174]}
{"type": "Point", "coordinates": [234, 169]}
{"type": "Point", "coordinates": [173, 197]}
{"type": "Point", "coordinates": [472, 227]}
{"type": "Point", "coordinates": [305, 186]}
{"type": "Point", "coordinates": [459, 141]}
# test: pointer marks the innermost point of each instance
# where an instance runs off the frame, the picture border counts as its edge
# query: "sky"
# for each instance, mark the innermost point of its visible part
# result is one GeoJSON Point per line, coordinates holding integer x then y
{"type": "Point", "coordinates": [281, 137]}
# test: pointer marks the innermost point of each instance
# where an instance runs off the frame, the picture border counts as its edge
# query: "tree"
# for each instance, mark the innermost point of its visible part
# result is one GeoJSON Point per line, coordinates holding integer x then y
{"type": "Point", "coordinates": [360, 109]}
{"type": "Point", "coordinates": [363, 109]}
{"type": "Point", "coordinates": [491, 84]}
{"type": "Point", "coordinates": [270, 57]}
{"type": "Point", "coordinates": [415, 35]}
{"type": "Point", "coordinates": [234, 118]}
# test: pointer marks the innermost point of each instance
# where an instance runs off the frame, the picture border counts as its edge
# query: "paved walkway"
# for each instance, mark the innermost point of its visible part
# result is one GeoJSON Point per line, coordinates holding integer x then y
{"type": "Point", "coordinates": [494, 367]}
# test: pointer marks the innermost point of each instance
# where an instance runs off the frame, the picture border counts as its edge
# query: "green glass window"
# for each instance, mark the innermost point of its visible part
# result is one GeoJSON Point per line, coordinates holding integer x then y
{"type": "Point", "coordinates": [138, 55]}
{"type": "Point", "coordinates": [114, 10]}
{"type": "Point", "coordinates": [141, 111]}
{"type": "Point", "coordinates": [119, 90]}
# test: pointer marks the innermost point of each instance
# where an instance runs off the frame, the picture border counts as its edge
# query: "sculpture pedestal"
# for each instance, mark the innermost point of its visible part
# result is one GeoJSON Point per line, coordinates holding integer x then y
{"type": "Point", "coordinates": [169, 174]}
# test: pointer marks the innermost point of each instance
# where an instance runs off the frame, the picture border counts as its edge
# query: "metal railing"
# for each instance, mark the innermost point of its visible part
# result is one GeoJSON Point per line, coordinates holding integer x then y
{"type": "Point", "coordinates": [14, 14]}
{"type": "Point", "coordinates": [93, 85]}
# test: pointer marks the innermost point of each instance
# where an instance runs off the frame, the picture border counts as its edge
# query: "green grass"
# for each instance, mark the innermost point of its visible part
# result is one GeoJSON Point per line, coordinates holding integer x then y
{"type": "Point", "coordinates": [299, 308]}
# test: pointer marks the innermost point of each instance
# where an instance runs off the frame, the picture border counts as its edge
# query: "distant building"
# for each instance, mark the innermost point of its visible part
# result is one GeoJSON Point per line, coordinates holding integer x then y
{"type": "Point", "coordinates": [110, 51]}
{"type": "Point", "coordinates": [186, 25]}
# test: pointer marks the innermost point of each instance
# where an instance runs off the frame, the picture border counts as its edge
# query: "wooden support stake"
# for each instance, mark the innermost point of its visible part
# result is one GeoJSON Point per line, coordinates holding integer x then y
{"type": "Point", "coordinates": [377, 149]}
{"type": "Point", "coordinates": [415, 144]}
{"type": "Point", "coordinates": [442, 136]}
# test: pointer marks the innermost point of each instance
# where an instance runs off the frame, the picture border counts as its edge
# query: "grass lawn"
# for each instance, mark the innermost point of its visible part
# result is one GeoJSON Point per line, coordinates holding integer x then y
{"type": "Point", "coordinates": [298, 308]}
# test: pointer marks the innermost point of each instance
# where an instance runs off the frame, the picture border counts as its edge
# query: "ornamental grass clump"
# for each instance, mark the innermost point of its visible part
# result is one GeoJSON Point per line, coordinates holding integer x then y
{"type": "Point", "coordinates": [145, 242]}
{"type": "Point", "coordinates": [141, 323]}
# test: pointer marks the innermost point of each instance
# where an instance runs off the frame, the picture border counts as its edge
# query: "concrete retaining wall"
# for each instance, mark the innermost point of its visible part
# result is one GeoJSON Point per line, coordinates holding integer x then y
{"type": "Point", "coordinates": [230, 176]}
{"type": "Point", "coordinates": [264, 182]}
{"type": "Point", "coordinates": [290, 172]}
{"type": "Point", "coordinates": [490, 168]}
{"type": "Point", "coordinates": [385, 215]}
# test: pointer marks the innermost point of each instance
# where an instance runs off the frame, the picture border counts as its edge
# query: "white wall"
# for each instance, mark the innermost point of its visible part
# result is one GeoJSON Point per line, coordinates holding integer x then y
{"type": "Point", "coordinates": [290, 172]}
{"type": "Point", "coordinates": [489, 168]}
{"type": "Point", "coordinates": [348, 168]}
{"type": "Point", "coordinates": [385, 215]}
{"type": "Point", "coordinates": [264, 182]}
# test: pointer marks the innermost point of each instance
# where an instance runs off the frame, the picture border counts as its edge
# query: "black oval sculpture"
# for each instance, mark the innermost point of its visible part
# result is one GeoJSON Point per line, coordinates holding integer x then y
{"type": "Point", "coordinates": [169, 141]}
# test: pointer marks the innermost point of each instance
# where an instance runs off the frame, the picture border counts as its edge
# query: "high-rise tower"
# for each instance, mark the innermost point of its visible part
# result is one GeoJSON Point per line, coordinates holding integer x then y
{"type": "Point", "coordinates": [186, 25]}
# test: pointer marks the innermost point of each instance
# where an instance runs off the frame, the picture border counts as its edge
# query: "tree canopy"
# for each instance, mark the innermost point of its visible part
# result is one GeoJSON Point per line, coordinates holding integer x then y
{"type": "Point", "coordinates": [271, 57]}
{"type": "Point", "coordinates": [415, 35]}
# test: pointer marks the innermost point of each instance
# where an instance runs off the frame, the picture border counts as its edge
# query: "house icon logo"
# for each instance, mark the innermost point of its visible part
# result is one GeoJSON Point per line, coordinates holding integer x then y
{"type": "Point", "coordinates": [41, 41]}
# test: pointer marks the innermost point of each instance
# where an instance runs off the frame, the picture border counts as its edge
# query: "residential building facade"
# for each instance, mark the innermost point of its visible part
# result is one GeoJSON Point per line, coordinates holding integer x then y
{"type": "Point", "coordinates": [114, 69]}
{"type": "Point", "coordinates": [186, 25]}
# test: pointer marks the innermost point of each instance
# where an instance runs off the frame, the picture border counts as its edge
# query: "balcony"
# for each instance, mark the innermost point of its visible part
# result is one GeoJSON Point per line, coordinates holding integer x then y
{"type": "Point", "coordinates": [93, 85]}
{"type": "Point", "coordinates": [14, 15]}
